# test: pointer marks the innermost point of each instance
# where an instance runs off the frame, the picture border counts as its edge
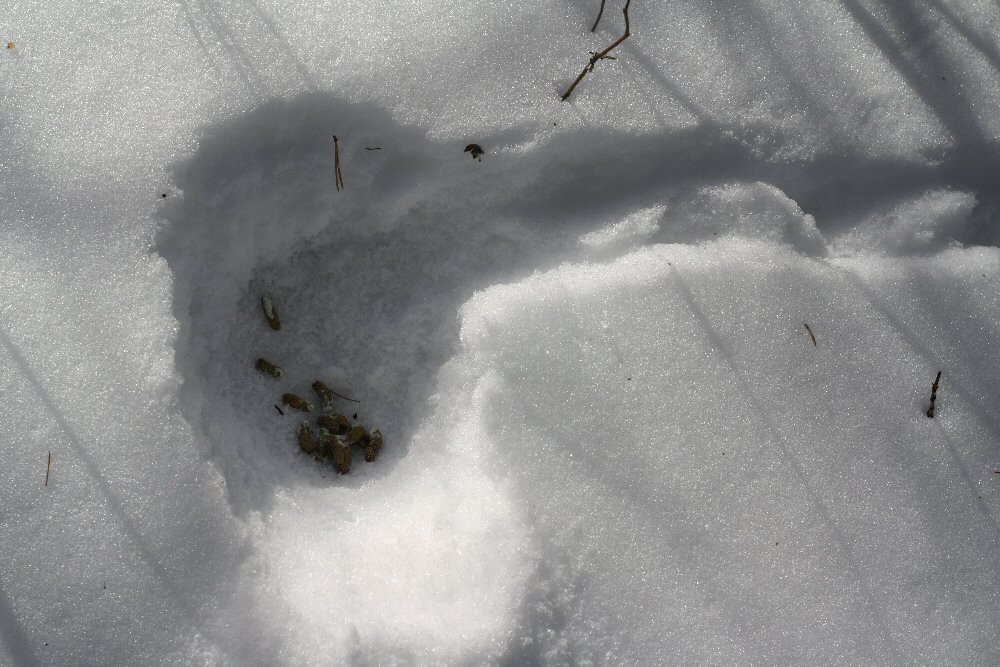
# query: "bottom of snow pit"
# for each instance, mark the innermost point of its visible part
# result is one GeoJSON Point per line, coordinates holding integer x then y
{"type": "Point", "coordinates": [258, 216]}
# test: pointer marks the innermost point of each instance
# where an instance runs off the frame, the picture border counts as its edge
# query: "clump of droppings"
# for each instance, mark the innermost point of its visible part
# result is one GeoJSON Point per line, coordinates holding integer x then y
{"type": "Point", "coordinates": [336, 433]}
{"type": "Point", "coordinates": [306, 442]}
{"type": "Point", "coordinates": [335, 440]}
{"type": "Point", "coordinates": [267, 305]}
{"type": "Point", "coordinates": [374, 446]}
{"type": "Point", "coordinates": [325, 394]}
{"type": "Point", "coordinates": [267, 368]}
{"type": "Point", "coordinates": [325, 442]}
{"type": "Point", "coordinates": [341, 456]}
{"type": "Point", "coordinates": [296, 402]}
{"type": "Point", "coordinates": [356, 435]}
{"type": "Point", "coordinates": [335, 423]}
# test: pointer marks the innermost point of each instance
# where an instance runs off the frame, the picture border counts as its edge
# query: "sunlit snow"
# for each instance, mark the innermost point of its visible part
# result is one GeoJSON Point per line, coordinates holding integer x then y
{"type": "Point", "coordinates": [653, 374]}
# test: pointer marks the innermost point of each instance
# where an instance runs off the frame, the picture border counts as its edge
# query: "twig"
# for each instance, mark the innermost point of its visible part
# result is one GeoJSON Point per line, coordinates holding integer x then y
{"type": "Point", "coordinates": [599, 15]}
{"type": "Point", "coordinates": [48, 468]}
{"type": "Point", "coordinates": [811, 334]}
{"type": "Point", "coordinates": [934, 388]}
{"type": "Point", "coordinates": [336, 164]}
{"type": "Point", "coordinates": [352, 400]}
{"type": "Point", "coordinates": [600, 55]}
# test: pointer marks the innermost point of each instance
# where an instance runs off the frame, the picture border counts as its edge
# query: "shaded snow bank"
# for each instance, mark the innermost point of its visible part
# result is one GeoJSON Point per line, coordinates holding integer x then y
{"type": "Point", "coordinates": [743, 210]}
{"type": "Point", "coordinates": [917, 226]}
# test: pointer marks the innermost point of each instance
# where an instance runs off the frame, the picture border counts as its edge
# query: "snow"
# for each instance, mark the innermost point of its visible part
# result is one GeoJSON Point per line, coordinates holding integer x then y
{"type": "Point", "coordinates": [652, 375]}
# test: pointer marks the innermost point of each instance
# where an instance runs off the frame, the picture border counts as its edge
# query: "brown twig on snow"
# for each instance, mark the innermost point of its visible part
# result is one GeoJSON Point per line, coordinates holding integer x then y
{"type": "Point", "coordinates": [336, 164]}
{"type": "Point", "coordinates": [600, 13]}
{"type": "Point", "coordinates": [48, 469]}
{"type": "Point", "coordinates": [811, 334]}
{"type": "Point", "coordinates": [600, 55]}
{"type": "Point", "coordinates": [352, 400]}
{"type": "Point", "coordinates": [934, 388]}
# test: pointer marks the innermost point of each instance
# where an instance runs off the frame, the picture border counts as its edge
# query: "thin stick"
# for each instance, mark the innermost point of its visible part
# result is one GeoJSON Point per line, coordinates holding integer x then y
{"type": "Point", "coordinates": [48, 468]}
{"type": "Point", "coordinates": [589, 67]}
{"type": "Point", "coordinates": [599, 15]}
{"type": "Point", "coordinates": [336, 164]}
{"type": "Point", "coordinates": [811, 334]}
{"type": "Point", "coordinates": [352, 400]}
{"type": "Point", "coordinates": [934, 388]}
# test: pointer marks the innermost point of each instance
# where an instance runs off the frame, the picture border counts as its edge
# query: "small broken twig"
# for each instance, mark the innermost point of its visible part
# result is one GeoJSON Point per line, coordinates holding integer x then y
{"type": "Point", "coordinates": [934, 388]}
{"type": "Point", "coordinates": [600, 55]}
{"type": "Point", "coordinates": [336, 164]}
{"type": "Point", "coordinates": [48, 469]}
{"type": "Point", "coordinates": [600, 13]}
{"type": "Point", "coordinates": [812, 336]}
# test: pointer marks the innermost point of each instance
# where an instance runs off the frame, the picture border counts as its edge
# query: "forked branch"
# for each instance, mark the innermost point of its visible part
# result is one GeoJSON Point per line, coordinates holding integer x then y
{"type": "Point", "coordinates": [600, 55]}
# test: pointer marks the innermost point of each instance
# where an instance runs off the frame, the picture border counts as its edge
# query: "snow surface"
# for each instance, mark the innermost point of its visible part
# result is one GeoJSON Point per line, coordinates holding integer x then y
{"type": "Point", "coordinates": [610, 438]}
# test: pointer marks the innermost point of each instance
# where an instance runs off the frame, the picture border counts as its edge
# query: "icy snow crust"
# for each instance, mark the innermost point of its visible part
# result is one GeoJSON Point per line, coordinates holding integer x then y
{"type": "Point", "coordinates": [610, 437]}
